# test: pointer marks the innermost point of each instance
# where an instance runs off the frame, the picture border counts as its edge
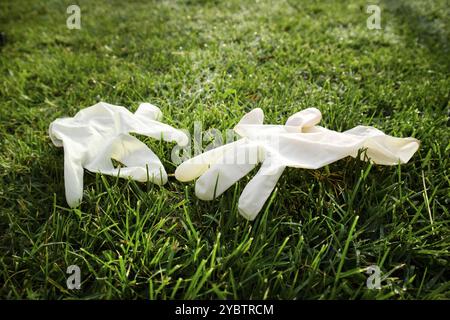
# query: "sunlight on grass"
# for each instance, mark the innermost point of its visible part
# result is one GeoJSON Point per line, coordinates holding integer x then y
{"type": "Point", "coordinates": [213, 61]}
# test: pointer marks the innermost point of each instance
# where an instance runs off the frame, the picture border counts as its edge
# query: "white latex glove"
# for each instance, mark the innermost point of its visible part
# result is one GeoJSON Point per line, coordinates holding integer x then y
{"type": "Point", "coordinates": [100, 133]}
{"type": "Point", "coordinates": [299, 144]}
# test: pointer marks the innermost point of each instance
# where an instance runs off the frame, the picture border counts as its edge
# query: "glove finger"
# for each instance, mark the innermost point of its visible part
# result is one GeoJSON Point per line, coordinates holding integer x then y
{"type": "Point", "coordinates": [73, 175]}
{"type": "Point", "coordinates": [305, 118]}
{"type": "Point", "coordinates": [222, 175]}
{"type": "Point", "coordinates": [250, 122]}
{"type": "Point", "coordinates": [196, 166]}
{"type": "Point", "coordinates": [256, 116]}
{"type": "Point", "coordinates": [141, 163]}
{"type": "Point", "coordinates": [258, 190]}
{"type": "Point", "coordinates": [158, 130]}
{"type": "Point", "coordinates": [149, 112]}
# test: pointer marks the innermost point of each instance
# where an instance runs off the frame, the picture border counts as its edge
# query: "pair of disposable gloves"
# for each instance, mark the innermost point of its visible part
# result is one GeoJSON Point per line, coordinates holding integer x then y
{"type": "Point", "coordinates": [102, 132]}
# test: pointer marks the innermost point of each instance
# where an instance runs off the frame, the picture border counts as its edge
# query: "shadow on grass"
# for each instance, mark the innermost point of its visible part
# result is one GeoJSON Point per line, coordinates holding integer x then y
{"type": "Point", "coordinates": [428, 29]}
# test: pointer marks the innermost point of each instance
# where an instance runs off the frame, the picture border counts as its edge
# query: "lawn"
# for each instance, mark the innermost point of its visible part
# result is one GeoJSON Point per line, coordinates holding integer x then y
{"type": "Point", "coordinates": [213, 61]}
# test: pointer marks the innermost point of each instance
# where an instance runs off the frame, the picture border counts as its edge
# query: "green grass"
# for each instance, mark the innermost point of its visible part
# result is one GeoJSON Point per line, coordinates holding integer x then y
{"type": "Point", "coordinates": [213, 61]}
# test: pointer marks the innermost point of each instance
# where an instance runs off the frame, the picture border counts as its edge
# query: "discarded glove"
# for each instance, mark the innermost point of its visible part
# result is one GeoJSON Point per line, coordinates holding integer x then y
{"type": "Point", "coordinates": [300, 143]}
{"type": "Point", "coordinates": [100, 133]}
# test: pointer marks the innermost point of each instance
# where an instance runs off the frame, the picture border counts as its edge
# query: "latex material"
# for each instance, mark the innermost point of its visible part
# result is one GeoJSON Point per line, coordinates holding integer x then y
{"type": "Point", "coordinates": [300, 143]}
{"type": "Point", "coordinates": [99, 133]}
